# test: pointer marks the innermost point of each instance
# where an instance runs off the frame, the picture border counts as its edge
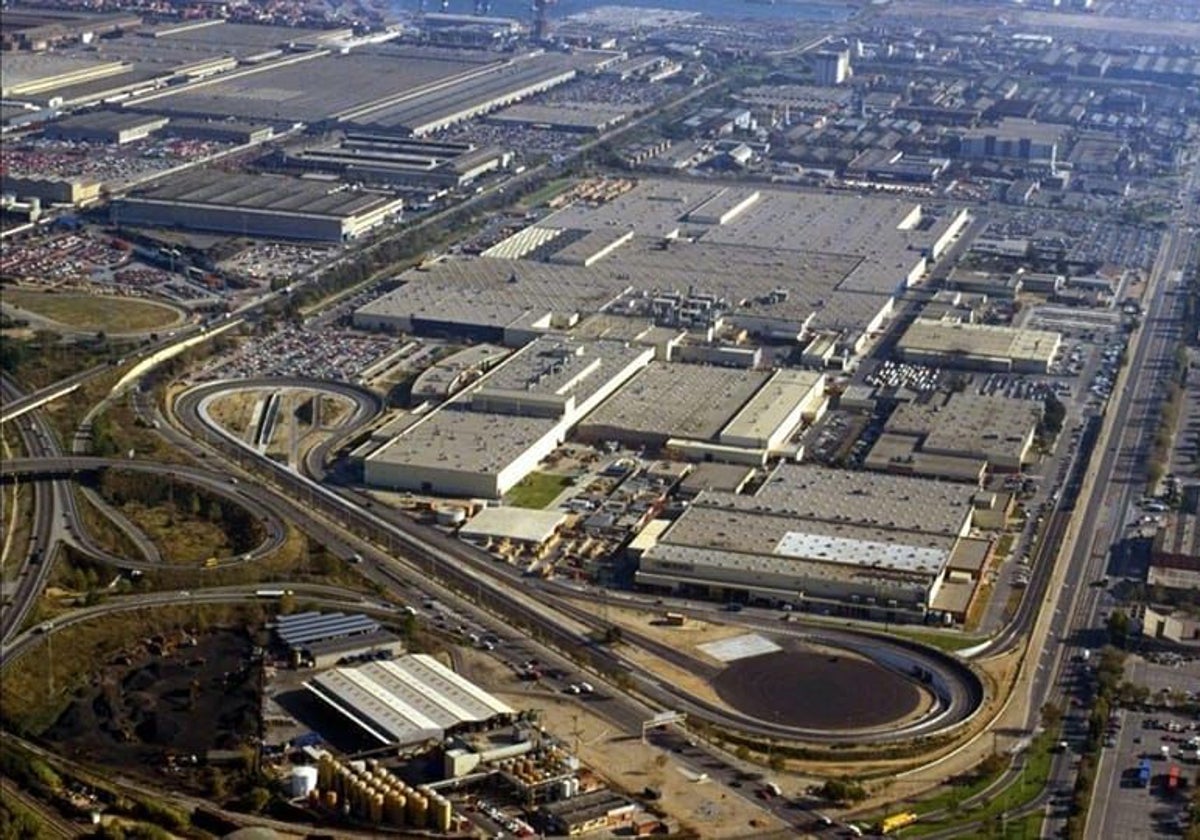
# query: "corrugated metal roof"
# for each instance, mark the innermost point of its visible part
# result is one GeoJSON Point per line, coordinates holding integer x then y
{"type": "Point", "coordinates": [406, 700]}
{"type": "Point", "coordinates": [311, 627]}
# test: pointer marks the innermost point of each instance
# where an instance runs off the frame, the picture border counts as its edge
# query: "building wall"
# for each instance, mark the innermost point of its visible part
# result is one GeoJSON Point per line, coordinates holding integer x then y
{"type": "Point", "coordinates": [806, 581]}
{"type": "Point", "coordinates": [230, 220]}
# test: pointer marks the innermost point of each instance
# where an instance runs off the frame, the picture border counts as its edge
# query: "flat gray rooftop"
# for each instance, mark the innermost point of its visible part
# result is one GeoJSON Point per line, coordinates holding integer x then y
{"type": "Point", "coordinates": [562, 366]}
{"type": "Point", "coordinates": [677, 400]}
{"type": "Point", "coordinates": [314, 88]}
{"type": "Point", "coordinates": [892, 502]}
{"type": "Point", "coordinates": [416, 113]}
{"type": "Point", "coordinates": [264, 192]}
{"type": "Point", "coordinates": [465, 441]}
{"type": "Point", "coordinates": [762, 532]}
{"type": "Point", "coordinates": [994, 426]}
{"type": "Point", "coordinates": [106, 120]}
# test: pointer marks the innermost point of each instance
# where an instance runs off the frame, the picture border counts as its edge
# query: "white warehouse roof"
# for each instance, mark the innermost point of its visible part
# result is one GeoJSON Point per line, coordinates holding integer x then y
{"type": "Point", "coordinates": [405, 701]}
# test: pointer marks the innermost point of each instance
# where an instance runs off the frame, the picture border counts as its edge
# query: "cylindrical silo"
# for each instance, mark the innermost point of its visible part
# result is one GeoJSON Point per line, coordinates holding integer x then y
{"type": "Point", "coordinates": [439, 817]}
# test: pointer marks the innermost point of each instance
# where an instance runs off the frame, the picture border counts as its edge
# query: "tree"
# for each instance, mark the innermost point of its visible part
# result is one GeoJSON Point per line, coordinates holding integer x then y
{"type": "Point", "coordinates": [1118, 627]}
{"type": "Point", "coordinates": [842, 791]}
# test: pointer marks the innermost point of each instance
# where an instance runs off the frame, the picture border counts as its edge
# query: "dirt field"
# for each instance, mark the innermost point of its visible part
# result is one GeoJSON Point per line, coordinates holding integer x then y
{"type": "Point", "coordinates": [95, 312]}
{"type": "Point", "coordinates": [626, 762]}
{"type": "Point", "coordinates": [801, 687]}
{"type": "Point", "coordinates": [184, 702]}
{"type": "Point", "coordinates": [234, 411]}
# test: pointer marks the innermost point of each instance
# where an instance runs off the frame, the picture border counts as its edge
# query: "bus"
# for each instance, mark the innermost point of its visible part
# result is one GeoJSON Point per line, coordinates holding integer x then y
{"type": "Point", "coordinates": [271, 593]}
{"type": "Point", "coordinates": [674, 619]}
{"type": "Point", "coordinates": [896, 821]}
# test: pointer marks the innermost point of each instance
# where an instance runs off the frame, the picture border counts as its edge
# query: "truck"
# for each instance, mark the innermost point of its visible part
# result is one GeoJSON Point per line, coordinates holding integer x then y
{"type": "Point", "coordinates": [896, 821]}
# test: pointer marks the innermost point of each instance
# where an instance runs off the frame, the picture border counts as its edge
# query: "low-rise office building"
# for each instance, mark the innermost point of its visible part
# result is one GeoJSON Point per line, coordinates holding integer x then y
{"type": "Point", "coordinates": [978, 346]}
{"type": "Point", "coordinates": [1175, 554]}
{"type": "Point", "coordinates": [996, 430]}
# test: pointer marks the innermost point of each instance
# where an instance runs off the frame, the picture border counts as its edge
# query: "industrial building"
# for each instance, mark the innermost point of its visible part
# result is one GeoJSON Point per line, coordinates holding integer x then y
{"type": "Point", "coordinates": [407, 702]}
{"type": "Point", "coordinates": [1014, 139]}
{"type": "Point", "coordinates": [520, 528]}
{"type": "Point", "coordinates": [493, 434]}
{"type": "Point", "coordinates": [831, 67]}
{"type": "Point", "coordinates": [52, 189]}
{"type": "Point", "coordinates": [817, 535]}
{"type": "Point", "coordinates": [472, 94]}
{"type": "Point", "coordinates": [325, 639]}
{"type": "Point", "coordinates": [687, 254]}
{"type": "Point", "coordinates": [984, 347]}
{"type": "Point", "coordinates": [269, 206]}
{"type": "Point", "coordinates": [710, 413]}
{"type": "Point", "coordinates": [105, 127]}
{"type": "Point", "coordinates": [387, 159]}
{"type": "Point", "coordinates": [995, 430]}
{"type": "Point", "coordinates": [237, 132]}
{"type": "Point", "coordinates": [1175, 553]}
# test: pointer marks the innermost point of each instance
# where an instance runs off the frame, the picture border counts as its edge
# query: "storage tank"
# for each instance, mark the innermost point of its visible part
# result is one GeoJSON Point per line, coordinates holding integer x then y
{"type": "Point", "coordinates": [331, 800]}
{"type": "Point", "coordinates": [303, 780]}
{"type": "Point", "coordinates": [417, 807]}
{"type": "Point", "coordinates": [375, 809]}
{"type": "Point", "coordinates": [393, 809]}
{"type": "Point", "coordinates": [564, 789]}
{"type": "Point", "coordinates": [439, 817]}
{"type": "Point", "coordinates": [325, 771]}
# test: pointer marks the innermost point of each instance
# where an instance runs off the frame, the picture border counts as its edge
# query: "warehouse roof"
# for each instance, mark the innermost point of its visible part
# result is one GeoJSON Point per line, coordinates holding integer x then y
{"type": "Point", "coordinates": [678, 400]}
{"type": "Point", "coordinates": [773, 403]}
{"type": "Point", "coordinates": [900, 503]}
{"type": "Point", "coordinates": [714, 565]}
{"type": "Point", "coordinates": [970, 424]}
{"type": "Point", "coordinates": [512, 523]}
{"type": "Point", "coordinates": [561, 366]}
{"type": "Point", "coordinates": [407, 700]}
{"type": "Point", "coordinates": [274, 193]}
{"type": "Point", "coordinates": [303, 628]}
{"type": "Point", "coordinates": [980, 340]}
{"type": "Point", "coordinates": [107, 120]}
{"type": "Point", "coordinates": [457, 439]}
{"type": "Point", "coordinates": [766, 532]}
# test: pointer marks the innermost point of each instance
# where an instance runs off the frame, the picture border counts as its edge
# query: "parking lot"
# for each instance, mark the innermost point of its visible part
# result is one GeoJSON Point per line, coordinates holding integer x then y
{"type": "Point", "coordinates": [338, 355]}
{"type": "Point", "coordinates": [112, 164]}
{"type": "Point", "coordinates": [1125, 807]}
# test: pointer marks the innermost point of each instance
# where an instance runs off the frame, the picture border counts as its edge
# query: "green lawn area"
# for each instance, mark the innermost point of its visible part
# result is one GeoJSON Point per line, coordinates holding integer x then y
{"type": "Point", "coordinates": [537, 490]}
{"type": "Point", "coordinates": [94, 312]}
{"type": "Point", "coordinates": [948, 642]}
{"type": "Point", "coordinates": [1025, 788]}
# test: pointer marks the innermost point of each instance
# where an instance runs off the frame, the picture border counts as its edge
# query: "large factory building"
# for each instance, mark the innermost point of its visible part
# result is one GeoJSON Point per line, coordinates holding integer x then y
{"type": "Point", "coordinates": [490, 436]}
{"type": "Point", "coordinates": [265, 205]}
{"type": "Point", "coordinates": [817, 536]}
